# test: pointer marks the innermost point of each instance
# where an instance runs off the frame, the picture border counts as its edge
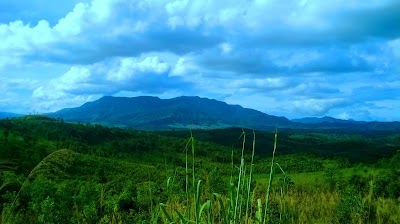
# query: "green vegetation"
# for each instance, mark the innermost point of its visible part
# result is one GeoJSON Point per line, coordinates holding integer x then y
{"type": "Point", "coordinates": [57, 172]}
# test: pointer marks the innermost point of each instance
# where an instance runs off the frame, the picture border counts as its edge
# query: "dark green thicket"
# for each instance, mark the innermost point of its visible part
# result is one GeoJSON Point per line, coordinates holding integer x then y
{"type": "Point", "coordinates": [352, 146]}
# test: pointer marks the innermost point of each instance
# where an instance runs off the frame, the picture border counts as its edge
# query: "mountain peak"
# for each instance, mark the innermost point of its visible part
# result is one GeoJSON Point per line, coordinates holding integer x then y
{"type": "Point", "coordinates": [148, 112]}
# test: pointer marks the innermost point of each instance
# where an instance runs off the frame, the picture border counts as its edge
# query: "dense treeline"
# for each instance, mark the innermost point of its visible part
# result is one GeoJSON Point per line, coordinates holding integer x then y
{"type": "Point", "coordinates": [367, 146]}
{"type": "Point", "coordinates": [52, 171]}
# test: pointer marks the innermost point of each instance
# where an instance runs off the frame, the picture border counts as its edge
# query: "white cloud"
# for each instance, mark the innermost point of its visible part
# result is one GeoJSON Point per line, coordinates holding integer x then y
{"type": "Point", "coordinates": [226, 48]}
{"type": "Point", "coordinates": [72, 23]}
{"type": "Point", "coordinates": [183, 66]}
{"type": "Point", "coordinates": [67, 101]}
{"type": "Point", "coordinates": [343, 116]}
{"type": "Point", "coordinates": [316, 107]}
{"type": "Point", "coordinates": [265, 84]}
{"type": "Point", "coordinates": [17, 36]}
{"type": "Point", "coordinates": [75, 79]}
{"type": "Point", "coordinates": [75, 76]}
{"type": "Point", "coordinates": [176, 7]}
{"type": "Point", "coordinates": [130, 67]}
{"type": "Point", "coordinates": [394, 45]}
{"type": "Point", "coordinates": [308, 54]}
{"type": "Point", "coordinates": [122, 75]}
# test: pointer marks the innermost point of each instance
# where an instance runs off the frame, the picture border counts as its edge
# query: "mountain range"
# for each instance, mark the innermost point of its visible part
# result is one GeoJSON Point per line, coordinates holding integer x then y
{"type": "Point", "coordinates": [326, 119]}
{"type": "Point", "coordinates": [153, 113]}
{"type": "Point", "coordinates": [9, 115]}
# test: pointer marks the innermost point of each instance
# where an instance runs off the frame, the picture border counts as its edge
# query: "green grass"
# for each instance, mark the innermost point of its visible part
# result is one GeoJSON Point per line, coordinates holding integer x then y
{"type": "Point", "coordinates": [236, 209]}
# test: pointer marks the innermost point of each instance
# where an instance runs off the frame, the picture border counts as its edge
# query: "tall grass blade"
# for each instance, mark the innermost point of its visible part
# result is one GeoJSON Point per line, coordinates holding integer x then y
{"type": "Point", "coordinates": [270, 177]}
{"type": "Point", "coordinates": [181, 217]}
{"type": "Point", "coordinates": [154, 218]}
{"type": "Point", "coordinates": [244, 185]}
{"type": "Point", "coordinates": [259, 211]}
{"type": "Point", "coordinates": [167, 216]}
{"type": "Point", "coordinates": [197, 202]}
{"type": "Point", "coordinates": [240, 176]}
{"type": "Point", "coordinates": [206, 205]}
{"type": "Point", "coordinates": [187, 175]}
{"type": "Point", "coordinates": [250, 176]}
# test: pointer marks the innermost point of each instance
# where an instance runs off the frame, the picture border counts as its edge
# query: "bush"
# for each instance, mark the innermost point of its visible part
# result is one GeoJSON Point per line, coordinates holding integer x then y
{"type": "Point", "coordinates": [388, 184]}
{"type": "Point", "coordinates": [351, 208]}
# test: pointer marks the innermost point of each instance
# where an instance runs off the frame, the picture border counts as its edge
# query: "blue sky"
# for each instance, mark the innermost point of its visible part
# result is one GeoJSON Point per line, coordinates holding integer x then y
{"type": "Point", "coordinates": [290, 58]}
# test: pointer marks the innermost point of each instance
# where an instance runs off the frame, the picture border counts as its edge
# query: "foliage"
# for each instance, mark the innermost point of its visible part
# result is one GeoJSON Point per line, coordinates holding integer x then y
{"type": "Point", "coordinates": [52, 171]}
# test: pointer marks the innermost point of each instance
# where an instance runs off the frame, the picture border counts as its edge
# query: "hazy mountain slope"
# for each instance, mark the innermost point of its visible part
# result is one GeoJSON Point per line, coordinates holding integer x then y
{"type": "Point", "coordinates": [181, 112]}
{"type": "Point", "coordinates": [8, 115]}
{"type": "Point", "coordinates": [152, 113]}
{"type": "Point", "coordinates": [316, 120]}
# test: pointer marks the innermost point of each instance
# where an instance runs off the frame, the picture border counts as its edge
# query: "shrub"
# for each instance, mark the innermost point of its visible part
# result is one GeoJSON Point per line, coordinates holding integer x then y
{"type": "Point", "coordinates": [351, 209]}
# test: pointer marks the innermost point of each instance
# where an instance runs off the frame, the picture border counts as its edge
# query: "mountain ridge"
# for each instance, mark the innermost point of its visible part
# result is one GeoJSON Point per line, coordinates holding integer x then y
{"type": "Point", "coordinates": [147, 112]}
{"type": "Point", "coordinates": [9, 115]}
{"type": "Point", "coordinates": [327, 119]}
{"type": "Point", "coordinates": [193, 112]}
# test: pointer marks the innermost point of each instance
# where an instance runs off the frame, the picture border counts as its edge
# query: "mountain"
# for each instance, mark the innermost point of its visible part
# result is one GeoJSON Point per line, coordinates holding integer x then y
{"type": "Point", "coordinates": [8, 115]}
{"type": "Point", "coordinates": [326, 119]}
{"type": "Point", "coordinates": [330, 123]}
{"type": "Point", "coordinates": [153, 113]}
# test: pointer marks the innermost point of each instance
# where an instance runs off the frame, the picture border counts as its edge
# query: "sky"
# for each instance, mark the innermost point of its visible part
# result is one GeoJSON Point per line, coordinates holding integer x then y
{"type": "Point", "coordinates": [293, 58]}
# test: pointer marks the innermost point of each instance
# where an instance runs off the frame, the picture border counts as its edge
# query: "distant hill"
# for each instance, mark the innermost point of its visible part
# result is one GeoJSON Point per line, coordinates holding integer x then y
{"type": "Point", "coordinates": [316, 120]}
{"type": "Point", "coordinates": [330, 123]}
{"type": "Point", "coordinates": [9, 115]}
{"type": "Point", "coordinates": [152, 113]}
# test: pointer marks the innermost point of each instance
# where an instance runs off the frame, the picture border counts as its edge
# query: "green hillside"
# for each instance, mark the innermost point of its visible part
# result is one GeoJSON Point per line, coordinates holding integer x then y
{"type": "Point", "coordinates": [52, 171]}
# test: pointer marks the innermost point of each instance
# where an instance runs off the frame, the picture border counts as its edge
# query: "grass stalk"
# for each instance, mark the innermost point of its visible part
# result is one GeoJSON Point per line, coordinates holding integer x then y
{"type": "Point", "coordinates": [186, 183]}
{"type": "Point", "coordinates": [231, 190]}
{"type": "Point", "coordinates": [240, 175]}
{"type": "Point", "coordinates": [167, 216]}
{"type": "Point", "coordinates": [231, 180]}
{"type": "Point", "coordinates": [281, 191]}
{"type": "Point", "coordinates": [243, 190]}
{"type": "Point", "coordinates": [250, 176]}
{"type": "Point", "coordinates": [194, 178]}
{"type": "Point", "coordinates": [259, 211]}
{"type": "Point", "coordinates": [270, 178]}
{"type": "Point", "coordinates": [192, 141]}
{"type": "Point", "coordinates": [187, 175]}
{"type": "Point", "coordinates": [197, 202]}
{"type": "Point", "coordinates": [281, 205]}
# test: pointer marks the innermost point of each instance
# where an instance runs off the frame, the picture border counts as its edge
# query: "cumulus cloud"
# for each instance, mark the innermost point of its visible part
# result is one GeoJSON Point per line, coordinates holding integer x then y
{"type": "Point", "coordinates": [299, 57]}
{"type": "Point", "coordinates": [129, 68]}
{"type": "Point", "coordinates": [16, 93]}
{"type": "Point", "coordinates": [147, 75]}
{"type": "Point", "coordinates": [316, 107]}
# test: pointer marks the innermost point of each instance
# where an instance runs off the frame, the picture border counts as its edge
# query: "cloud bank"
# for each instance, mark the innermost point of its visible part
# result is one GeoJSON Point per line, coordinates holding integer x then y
{"type": "Point", "coordinates": [298, 58]}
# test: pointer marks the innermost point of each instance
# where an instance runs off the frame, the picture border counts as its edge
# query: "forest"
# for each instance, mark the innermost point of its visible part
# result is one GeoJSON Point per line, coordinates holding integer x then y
{"type": "Point", "coordinates": [52, 171]}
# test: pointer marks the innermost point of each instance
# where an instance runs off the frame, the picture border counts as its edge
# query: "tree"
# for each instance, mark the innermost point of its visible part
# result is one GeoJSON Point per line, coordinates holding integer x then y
{"type": "Point", "coordinates": [6, 133]}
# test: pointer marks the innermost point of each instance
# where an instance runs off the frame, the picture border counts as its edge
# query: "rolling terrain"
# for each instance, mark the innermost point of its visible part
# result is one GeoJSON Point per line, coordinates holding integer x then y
{"type": "Point", "coordinates": [114, 175]}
